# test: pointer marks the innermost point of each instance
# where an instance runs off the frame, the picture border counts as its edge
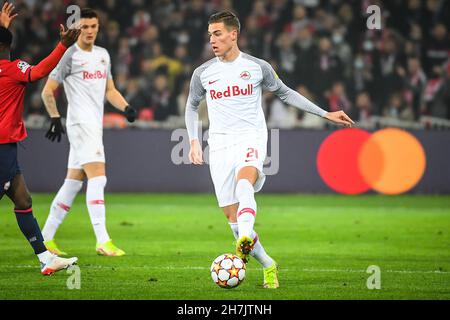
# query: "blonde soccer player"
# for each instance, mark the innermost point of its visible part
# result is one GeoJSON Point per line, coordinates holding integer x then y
{"type": "Point", "coordinates": [232, 83]}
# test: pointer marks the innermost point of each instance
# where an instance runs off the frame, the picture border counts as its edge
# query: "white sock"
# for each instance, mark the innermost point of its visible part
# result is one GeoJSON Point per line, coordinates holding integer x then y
{"type": "Point", "coordinates": [95, 200]}
{"type": "Point", "coordinates": [45, 257]}
{"type": "Point", "coordinates": [60, 207]}
{"type": "Point", "coordinates": [247, 207]}
{"type": "Point", "coordinates": [258, 251]}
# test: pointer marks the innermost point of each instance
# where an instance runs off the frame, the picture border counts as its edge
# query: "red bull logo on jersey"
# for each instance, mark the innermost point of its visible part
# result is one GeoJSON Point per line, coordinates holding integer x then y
{"type": "Point", "coordinates": [232, 91]}
{"type": "Point", "coordinates": [94, 75]}
{"type": "Point", "coordinates": [245, 75]}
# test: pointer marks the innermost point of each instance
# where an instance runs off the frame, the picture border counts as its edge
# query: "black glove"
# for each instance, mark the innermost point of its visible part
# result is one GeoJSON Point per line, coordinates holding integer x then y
{"type": "Point", "coordinates": [130, 113]}
{"type": "Point", "coordinates": [56, 130]}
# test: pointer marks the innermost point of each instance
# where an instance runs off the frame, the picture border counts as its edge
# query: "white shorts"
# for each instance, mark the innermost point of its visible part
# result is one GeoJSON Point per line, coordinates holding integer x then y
{"type": "Point", "coordinates": [230, 153]}
{"type": "Point", "coordinates": [86, 145]}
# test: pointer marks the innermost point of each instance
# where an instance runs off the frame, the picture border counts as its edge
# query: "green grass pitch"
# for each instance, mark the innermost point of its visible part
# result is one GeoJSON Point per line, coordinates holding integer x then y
{"type": "Point", "coordinates": [324, 245]}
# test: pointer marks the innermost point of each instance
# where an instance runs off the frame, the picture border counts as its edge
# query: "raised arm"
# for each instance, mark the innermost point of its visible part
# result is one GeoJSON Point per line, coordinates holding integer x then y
{"type": "Point", "coordinates": [6, 15]}
{"type": "Point", "coordinates": [43, 68]}
{"type": "Point", "coordinates": [196, 94]}
{"type": "Point", "coordinates": [295, 99]}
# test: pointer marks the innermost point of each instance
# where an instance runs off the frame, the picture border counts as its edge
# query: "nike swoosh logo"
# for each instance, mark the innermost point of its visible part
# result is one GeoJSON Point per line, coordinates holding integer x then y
{"type": "Point", "coordinates": [211, 82]}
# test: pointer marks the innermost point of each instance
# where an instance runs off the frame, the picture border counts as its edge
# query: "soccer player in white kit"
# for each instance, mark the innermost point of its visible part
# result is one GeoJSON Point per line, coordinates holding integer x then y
{"type": "Point", "coordinates": [232, 83]}
{"type": "Point", "coordinates": [85, 73]}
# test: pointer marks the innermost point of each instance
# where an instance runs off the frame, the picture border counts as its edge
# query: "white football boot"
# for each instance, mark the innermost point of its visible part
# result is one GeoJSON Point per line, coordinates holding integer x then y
{"type": "Point", "coordinates": [57, 263]}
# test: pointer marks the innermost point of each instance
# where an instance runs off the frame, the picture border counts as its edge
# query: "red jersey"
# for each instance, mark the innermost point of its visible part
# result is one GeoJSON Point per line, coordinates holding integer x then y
{"type": "Point", "coordinates": [14, 75]}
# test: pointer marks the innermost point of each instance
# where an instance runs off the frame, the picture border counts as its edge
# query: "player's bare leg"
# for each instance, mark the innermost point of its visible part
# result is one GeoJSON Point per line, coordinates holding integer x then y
{"type": "Point", "coordinates": [95, 200]}
{"type": "Point", "coordinates": [60, 207]}
{"type": "Point", "coordinates": [230, 213]}
{"type": "Point", "coordinates": [76, 174]}
{"type": "Point", "coordinates": [20, 196]}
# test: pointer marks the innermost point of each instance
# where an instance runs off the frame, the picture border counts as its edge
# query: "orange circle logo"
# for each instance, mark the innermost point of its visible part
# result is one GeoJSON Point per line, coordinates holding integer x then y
{"type": "Point", "coordinates": [353, 161]}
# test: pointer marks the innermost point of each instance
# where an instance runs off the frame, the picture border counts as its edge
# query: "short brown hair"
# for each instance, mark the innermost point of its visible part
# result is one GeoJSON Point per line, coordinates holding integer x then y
{"type": "Point", "coordinates": [229, 19]}
{"type": "Point", "coordinates": [88, 13]}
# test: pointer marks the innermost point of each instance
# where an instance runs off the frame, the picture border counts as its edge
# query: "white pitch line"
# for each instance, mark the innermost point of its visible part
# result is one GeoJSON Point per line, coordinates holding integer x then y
{"type": "Point", "coordinates": [364, 271]}
{"type": "Point", "coordinates": [204, 268]}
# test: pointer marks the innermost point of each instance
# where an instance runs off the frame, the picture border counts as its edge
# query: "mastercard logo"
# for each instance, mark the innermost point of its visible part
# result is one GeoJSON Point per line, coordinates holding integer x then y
{"type": "Point", "coordinates": [353, 161]}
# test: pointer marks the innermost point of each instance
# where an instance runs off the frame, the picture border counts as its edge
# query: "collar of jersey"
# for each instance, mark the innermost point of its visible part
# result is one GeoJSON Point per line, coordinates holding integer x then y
{"type": "Point", "coordinates": [231, 62]}
{"type": "Point", "coordinates": [79, 49]}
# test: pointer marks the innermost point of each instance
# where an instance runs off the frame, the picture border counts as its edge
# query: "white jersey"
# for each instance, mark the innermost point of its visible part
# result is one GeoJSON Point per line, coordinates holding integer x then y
{"type": "Point", "coordinates": [84, 75]}
{"type": "Point", "coordinates": [233, 93]}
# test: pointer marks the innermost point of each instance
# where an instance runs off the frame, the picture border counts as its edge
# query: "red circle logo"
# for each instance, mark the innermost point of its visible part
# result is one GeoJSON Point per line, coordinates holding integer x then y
{"type": "Point", "coordinates": [353, 161]}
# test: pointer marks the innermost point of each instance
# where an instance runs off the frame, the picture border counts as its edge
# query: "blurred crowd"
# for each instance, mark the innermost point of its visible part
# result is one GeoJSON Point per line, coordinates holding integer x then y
{"type": "Point", "coordinates": [323, 49]}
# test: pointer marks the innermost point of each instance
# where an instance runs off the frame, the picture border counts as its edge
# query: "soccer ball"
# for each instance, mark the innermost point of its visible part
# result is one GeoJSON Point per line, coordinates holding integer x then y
{"type": "Point", "coordinates": [228, 271]}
